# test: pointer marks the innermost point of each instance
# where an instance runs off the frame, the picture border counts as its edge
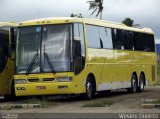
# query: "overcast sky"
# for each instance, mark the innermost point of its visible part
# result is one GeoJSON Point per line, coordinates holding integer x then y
{"type": "Point", "coordinates": [143, 12]}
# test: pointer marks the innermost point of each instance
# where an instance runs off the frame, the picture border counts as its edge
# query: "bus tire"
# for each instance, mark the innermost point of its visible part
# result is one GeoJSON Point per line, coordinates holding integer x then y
{"type": "Point", "coordinates": [134, 84]}
{"type": "Point", "coordinates": [141, 83]}
{"type": "Point", "coordinates": [7, 97]}
{"type": "Point", "coordinates": [104, 93]}
{"type": "Point", "coordinates": [90, 89]}
{"type": "Point", "coordinates": [11, 96]}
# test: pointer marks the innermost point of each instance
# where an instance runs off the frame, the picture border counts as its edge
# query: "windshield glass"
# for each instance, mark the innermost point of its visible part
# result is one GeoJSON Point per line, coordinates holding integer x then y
{"type": "Point", "coordinates": [28, 45]}
{"type": "Point", "coordinates": [56, 44]}
{"type": "Point", "coordinates": [4, 42]}
{"type": "Point", "coordinates": [44, 49]}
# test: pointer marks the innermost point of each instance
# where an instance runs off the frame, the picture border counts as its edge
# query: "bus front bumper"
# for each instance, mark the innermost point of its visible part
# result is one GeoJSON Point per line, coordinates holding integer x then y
{"type": "Point", "coordinates": [46, 88]}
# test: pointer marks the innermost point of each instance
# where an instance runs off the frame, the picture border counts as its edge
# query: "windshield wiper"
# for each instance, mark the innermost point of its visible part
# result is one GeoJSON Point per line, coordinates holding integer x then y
{"type": "Point", "coordinates": [35, 57]}
{"type": "Point", "coordinates": [48, 61]}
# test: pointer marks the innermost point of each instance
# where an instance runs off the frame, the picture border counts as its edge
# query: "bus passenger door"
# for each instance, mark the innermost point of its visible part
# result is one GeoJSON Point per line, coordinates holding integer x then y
{"type": "Point", "coordinates": [107, 74]}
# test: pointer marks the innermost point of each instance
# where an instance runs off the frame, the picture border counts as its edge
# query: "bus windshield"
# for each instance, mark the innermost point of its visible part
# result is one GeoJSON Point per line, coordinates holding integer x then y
{"type": "Point", "coordinates": [44, 49]}
{"type": "Point", "coordinates": [4, 42]}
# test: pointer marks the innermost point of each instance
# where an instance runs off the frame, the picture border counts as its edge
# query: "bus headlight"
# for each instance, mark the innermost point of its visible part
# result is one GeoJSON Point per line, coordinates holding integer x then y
{"type": "Point", "coordinates": [63, 79]}
{"type": "Point", "coordinates": [20, 81]}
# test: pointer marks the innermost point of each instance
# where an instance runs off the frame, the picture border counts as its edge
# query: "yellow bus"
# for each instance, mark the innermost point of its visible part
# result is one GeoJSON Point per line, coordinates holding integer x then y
{"type": "Point", "coordinates": [82, 56]}
{"type": "Point", "coordinates": [7, 64]}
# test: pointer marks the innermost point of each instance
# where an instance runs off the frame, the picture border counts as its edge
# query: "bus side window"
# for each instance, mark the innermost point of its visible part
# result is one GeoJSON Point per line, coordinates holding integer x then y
{"type": "Point", "coordinates": [118, 40]}
{"type": "Point", "coordinates": [93, 36]}
{"type": "Point", "coordinates": [144, 42]}
{"type": "Point", "coordinates": [128, 40]}
{"type": "Point", "coordinates": [138, 43]}
{"type": "Point", "coordinates": [149, 43]}
{"type": "Point", "coordinates": [113, 37]}
{"type": "Point", "coordinates": [105, 37]}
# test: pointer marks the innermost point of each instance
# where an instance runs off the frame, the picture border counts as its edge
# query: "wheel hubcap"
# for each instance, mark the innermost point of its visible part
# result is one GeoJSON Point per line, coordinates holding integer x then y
{"type": "Point", "coordinates": [89, 89]}
{"type": "Point", "coordinates": [134, 85]}
{"type": "Point", "coordinates": [142, 85]}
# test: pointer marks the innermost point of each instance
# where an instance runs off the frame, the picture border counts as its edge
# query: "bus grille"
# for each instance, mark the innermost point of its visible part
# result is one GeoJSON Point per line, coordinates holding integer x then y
{"type": "Point", "coordinates": [48, 79]}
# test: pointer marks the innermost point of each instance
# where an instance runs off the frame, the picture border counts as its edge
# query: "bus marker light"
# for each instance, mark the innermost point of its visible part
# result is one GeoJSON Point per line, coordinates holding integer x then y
{"type": "Point", "coordinates": [21, 88]}
{"type": "Point", "coordinates": [41, 87]}
{"type": "Point", "coordinates": [63, 87]}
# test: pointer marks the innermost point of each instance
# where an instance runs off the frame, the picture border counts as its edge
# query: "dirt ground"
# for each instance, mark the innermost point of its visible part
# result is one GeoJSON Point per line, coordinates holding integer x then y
{"type": "Point", "coordinates": [122, 102]}
{"type": "Point", "coordinates": [74, 107]}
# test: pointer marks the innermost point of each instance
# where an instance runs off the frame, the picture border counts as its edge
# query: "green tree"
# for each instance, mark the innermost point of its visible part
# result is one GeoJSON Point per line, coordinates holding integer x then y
{"type": "Point", "coordinates": [96, 6]}
{"type": "Point", "coordinates": [75, 15]}
{"type": "Point", "coordinates": [128, 22]}
{"type": "Point", "coordinates": [80, 16]}
{"type": "Point", "coordinates": [72, 15]}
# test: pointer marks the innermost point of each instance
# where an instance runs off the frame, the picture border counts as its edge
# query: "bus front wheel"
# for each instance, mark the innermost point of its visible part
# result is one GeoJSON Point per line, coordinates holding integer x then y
{"type": "Point", "coordinates": [90, 89]}
{"type": "Point", "coordinates": [11, 96]}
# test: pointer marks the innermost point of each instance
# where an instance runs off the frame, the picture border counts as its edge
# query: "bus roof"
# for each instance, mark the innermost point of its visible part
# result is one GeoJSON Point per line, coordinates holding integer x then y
{"type": "Point", "coordinates": [2, 24]}
{"type": "Point", "coordinates": [59, 20]}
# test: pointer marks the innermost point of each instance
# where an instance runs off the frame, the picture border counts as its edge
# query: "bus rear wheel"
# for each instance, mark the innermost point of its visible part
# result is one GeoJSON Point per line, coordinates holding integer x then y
{"type": "Point", "coordinates": [141, 83]}
{"type": "Point", "coordinates": [134, 85]}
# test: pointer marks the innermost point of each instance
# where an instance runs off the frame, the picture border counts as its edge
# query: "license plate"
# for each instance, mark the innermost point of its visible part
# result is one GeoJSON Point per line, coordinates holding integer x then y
{"type": "Point", "coordinates": [41, 87]}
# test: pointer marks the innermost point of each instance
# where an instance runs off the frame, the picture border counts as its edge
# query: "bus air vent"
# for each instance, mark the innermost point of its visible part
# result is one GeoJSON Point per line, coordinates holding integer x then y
{"type": "Point", "coordinates": [48, 79]}
{"type": "Point", "coordinates": [33, 80]}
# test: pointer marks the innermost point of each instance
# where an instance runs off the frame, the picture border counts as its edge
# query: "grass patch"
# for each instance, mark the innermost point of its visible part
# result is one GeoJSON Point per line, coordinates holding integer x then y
{"type": "Point", "coordinates": [99, 103]}
{"type": "Point", "coordinates": [42, 101]}
{"type": "Point", "coordinates": [154, 102]}
{"type": "Point", "coordinates": [158, 70]}
{"type": "Point", "coordinates": [158, 80]}
{"type": "Point", "coordinates": [6, 108]}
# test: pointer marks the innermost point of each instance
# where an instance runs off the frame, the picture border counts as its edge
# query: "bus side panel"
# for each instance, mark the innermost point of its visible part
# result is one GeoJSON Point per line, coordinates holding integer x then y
{"type": "Point", "coordinates": [95, 63]}
{"type": "Point", "coordinates": [150, 69]}
{"type": "Point", "coordinates": [145, 62]}
{"type": "Point", "coordinates": [6, 78]}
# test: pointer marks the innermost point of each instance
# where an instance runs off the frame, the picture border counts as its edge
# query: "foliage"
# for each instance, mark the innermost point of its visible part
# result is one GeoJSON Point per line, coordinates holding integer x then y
{"type": "Point", "coordinates": [75, 15]}
{"type": "Point", "coordinates": [39, 100]}
{"type": "Point", "coordinates": [158, 79]}
{"type": "Point", "coordinates": [158, 70]}
{"type": "Point", "coordinates": [158, 82]}
{"type": "Point", "coordinates": [96, 5]}
{"type": "Point", "coordinates": [128, 22]}
{"type": "Point", "coordinates": [98, 103]}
